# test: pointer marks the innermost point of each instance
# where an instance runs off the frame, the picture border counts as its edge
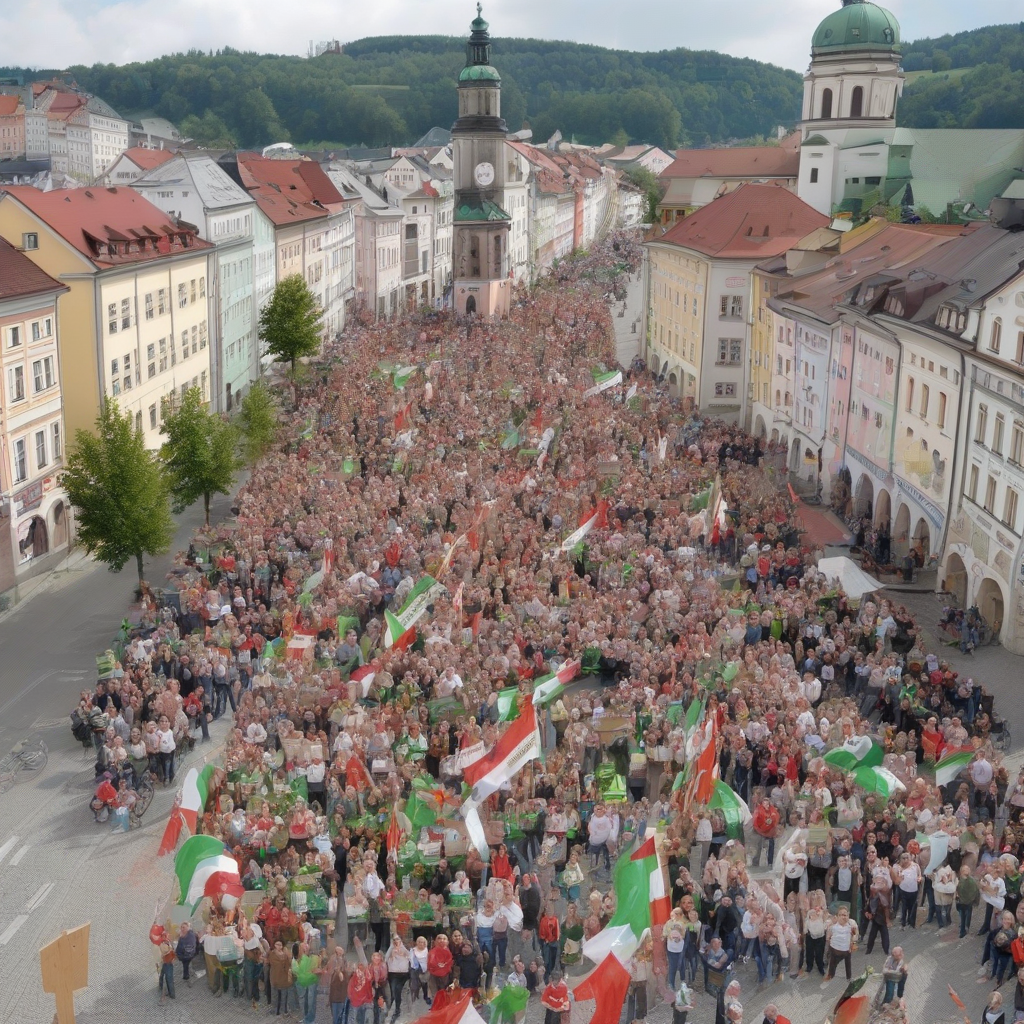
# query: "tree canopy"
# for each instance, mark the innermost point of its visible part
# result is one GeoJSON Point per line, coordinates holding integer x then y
{"type": "Point", "coordinates": [391, 90]}
{"type": "Point", "coordinates": [200, 453]}
{"type": "Point", "coordinates": [258, 421]}
{"type": "Point", "coordinates": [119, 492]}
{"type": "Point", "coordinates": [291, 323]}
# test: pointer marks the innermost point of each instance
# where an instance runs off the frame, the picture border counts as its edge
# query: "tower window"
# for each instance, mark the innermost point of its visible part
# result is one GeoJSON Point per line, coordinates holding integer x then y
{"type": "Point", "coordinates": [857, 102]}
{"type": "Point", "coordinates": [814, 175]}
{"type": "Point", "coordinates": [826, 104]}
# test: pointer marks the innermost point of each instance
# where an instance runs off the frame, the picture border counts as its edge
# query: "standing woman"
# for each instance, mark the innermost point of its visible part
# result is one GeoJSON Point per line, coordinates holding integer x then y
{"type": "Point", "coordinates": [398, 962]}
{"type": "Point", "coordinates": [994, 1012]}
{"type": "Point", "coordinates": [842, 934]}
{"type": "Point", "coordinates": [814, 939]}
{"type": "Point", "coordinates": [165, 738]}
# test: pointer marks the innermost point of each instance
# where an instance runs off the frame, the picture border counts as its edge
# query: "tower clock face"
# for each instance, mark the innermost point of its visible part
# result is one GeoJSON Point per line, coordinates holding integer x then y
{"type": "Point", "coordinates": [483, 174]}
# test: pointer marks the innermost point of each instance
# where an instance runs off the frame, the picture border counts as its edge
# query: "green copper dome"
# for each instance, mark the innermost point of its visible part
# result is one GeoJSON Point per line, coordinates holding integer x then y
{"type": "Point", "coordinates": [857, 25]}
{"type": "Point", "coordinates": [476, 72]}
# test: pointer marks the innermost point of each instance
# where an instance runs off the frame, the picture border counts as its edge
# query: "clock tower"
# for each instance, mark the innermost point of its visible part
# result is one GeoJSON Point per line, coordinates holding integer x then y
{"type": "Point", "coordinates": [481, 225]}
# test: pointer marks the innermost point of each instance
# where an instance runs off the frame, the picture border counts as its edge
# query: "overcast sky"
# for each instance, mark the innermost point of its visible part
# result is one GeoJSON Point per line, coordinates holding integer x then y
{"type": "Point", "coordinates": [56, 33]}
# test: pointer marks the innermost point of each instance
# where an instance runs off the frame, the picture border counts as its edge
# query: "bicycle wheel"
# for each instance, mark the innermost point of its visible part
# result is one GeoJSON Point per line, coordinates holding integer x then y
{"type": "Point", "coordinates": [145, 792]}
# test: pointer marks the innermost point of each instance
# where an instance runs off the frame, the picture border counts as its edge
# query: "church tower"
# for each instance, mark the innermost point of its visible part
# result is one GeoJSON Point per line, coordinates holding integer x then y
{"type": "Point", "coordinates": [854, 78]}
{"type": "Point", "coordinates": [481, 225]}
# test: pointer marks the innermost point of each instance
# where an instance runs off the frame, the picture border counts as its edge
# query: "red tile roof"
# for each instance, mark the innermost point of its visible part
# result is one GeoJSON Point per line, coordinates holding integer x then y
{"type": "Point", "coordinates": [288, 191]}
{"type": "Point", "coordinates": [147, 159]}
{"type": "Point", "coordinates": [742, 162]}
{"type": "Point", "coordinates": [19, 276]}
{"type": "Point", "coordinates": [751, 222]}
{"type": "Point", "coordinates": [94, 220]}
{"type": "Point", "coordinates": [9, 105]}
{"type": "Point", "coordinates": [65, 103]}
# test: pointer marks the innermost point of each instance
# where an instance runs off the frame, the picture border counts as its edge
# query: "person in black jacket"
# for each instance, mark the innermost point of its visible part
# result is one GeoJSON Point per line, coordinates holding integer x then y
{"type": "Point", "coordinates": [187, 948]}
{"type": "Point", "coordinates": [993, 1012]}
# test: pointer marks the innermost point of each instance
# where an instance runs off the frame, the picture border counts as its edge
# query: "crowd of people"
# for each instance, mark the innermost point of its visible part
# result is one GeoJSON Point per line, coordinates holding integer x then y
{"type": "Point", "coordinates": [466, 453]}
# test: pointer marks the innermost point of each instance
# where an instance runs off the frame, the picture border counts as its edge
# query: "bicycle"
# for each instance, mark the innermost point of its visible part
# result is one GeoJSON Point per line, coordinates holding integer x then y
{"type": "Point", "coordinates": [26, 756]}
{"type": "Point", "coordinates": [144, 790]}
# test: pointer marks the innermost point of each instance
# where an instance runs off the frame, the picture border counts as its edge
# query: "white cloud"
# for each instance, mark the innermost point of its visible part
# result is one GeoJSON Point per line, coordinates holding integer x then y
{"type": "Point", "coordinates": [57, 33]}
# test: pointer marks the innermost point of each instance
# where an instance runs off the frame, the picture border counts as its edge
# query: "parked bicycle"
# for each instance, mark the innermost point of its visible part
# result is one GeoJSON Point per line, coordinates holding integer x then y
{"type": "Point", "coordinates": [27, 756]}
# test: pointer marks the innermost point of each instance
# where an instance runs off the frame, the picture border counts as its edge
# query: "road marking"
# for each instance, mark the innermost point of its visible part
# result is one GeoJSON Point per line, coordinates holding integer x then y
{"type": "Point", "coordinates": [12, 929]}
{"type": "Point", "coordinates": [16, 859]}
{"type": "Point", "coordinates": [40, 896]}
{"type": "Point", "coordinates": [8, 846]}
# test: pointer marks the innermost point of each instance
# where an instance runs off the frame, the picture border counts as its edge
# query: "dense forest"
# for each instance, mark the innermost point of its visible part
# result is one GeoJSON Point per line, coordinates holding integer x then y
{"type": "Point", "coordinates": [391, 90]}
{"type": "Point", "coordinates": [969, 80]}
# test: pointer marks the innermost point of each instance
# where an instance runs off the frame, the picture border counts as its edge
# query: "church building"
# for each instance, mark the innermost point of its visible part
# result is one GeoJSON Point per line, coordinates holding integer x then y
{"type": "Point", "coordinates": [483, 284]}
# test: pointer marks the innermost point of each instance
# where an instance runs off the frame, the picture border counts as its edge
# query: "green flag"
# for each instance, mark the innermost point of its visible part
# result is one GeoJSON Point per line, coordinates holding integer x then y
{"type": "Point", "coordinates": [631, 880]}
{"type": "Point", "coordinates": [951, 766]}
{"type": "Point", "coordinates": [508, 704]}
{"type": "Point", "coordinates": [194, 850]}
{"type": "Point", "coordinates": [512, 999]}
{"type": "Point", "coordinates": [734, 809]}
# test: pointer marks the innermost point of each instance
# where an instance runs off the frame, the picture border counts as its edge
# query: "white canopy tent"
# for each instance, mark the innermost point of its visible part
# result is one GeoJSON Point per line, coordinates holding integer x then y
{"type": "Point", "coordinates": [850, 576]}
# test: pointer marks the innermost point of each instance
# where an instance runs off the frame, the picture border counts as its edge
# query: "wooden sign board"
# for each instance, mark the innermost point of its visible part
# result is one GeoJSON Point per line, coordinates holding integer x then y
{"type": "Point", "coordinates": [65, 968]}
{"type": "Point", "coordinates": [607, 470]}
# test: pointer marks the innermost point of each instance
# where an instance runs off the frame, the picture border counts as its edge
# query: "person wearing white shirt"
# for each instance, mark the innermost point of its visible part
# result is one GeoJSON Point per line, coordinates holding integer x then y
{"type": "Point", "coordinates": [255, 733]}
{"type": "Point", "coordinates": [600, 830]}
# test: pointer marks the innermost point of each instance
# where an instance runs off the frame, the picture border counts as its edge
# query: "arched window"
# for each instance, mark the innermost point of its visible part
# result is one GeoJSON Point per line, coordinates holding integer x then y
{"type": "Point", "coordinates": [826, 104]}
{"type": "Point", "coordinates": [910, 394]}
{"type": "Point", "coordinates": [857, 102]}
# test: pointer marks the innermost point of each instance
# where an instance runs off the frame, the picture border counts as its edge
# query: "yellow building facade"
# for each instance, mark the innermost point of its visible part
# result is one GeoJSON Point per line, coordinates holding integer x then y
{"type": "Point", "coordinates": [126, 325]}
{"type": "Point", "coordinates": [677, 287]}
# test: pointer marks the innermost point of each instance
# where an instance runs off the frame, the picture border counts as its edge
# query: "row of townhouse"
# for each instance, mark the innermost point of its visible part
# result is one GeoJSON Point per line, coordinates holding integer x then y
{"type": "Point", "coordinates": [886, 359]}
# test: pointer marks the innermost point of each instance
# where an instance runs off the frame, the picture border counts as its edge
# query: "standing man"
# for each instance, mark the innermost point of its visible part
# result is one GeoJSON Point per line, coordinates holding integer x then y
{"type": "Point", "coordinates": [894, 974]}
{"type": "Point", "coordinates": [766, 825]}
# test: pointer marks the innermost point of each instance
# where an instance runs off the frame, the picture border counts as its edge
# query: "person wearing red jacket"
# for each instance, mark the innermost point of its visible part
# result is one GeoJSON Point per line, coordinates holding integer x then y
{"type": "Point", "coordinates": [772, 1015]}
{"type": "Point", "coordinates": [766, 824]}
{"type": "Point", "coordinates": [439, 966]}
{"type": "Point", "coordinates": [549, 933]}
{"type": "Point", "coordinates": [555, 999]}
{"type": "Point", "coordinates": [360, 991]}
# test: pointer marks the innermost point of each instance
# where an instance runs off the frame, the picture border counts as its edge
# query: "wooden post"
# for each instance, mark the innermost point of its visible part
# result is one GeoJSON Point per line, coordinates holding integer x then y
{"type": "Point", "coordinates": [65, 968]}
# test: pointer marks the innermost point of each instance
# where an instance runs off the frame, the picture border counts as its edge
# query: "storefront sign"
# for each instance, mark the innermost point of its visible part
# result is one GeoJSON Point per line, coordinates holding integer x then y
{"type": "Point", "coordinates": [28, 499]}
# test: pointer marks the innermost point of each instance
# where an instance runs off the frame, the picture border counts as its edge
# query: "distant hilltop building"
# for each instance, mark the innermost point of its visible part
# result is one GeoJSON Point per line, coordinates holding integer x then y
{"type": "Point", "coordinates": [330, 46]}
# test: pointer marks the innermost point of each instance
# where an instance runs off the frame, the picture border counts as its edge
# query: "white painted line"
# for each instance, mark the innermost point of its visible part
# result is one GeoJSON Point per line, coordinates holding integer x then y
{"type": "Point", "coordinates": [40, 896]}
{"type": "Point", "coordinates": [12, 929]}
{"type": "Point", "coordinates": [16, 859]}
{"type": "Point", "coordinates": [8, 846]}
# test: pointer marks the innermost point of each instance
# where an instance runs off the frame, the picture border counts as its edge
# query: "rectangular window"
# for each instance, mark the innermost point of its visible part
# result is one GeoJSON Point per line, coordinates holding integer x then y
{"type": "Point", "coordinates": [925, 395]}
{"type": "Point", "coordinates": [126, 314]}
{"type": "Point", "coordinates": [151, 351]}
{"type": "Point", "coordinates": [149, 306]}
{"type": "Point", "coordinates": [115, 388]}
{"type": "Point", "coordinates": [16, 383]}
{"type": "Point", "coordinates": [942, 409]}
{"type": "Point", "coordinates": [152, 417]}
{"type": "Point", "coordinates": [13, 336]}
{"type": "Point", "coordinates": [814, 175]}
{"type": "Point", "coordinates": [997, 434]}
{"type": "Point", "coordinates": [202, 287]}
{"type": "Point", "coordinates": [161, 301]}
{"type": "Point", "coordinates": [40, 449]}
{"type": "Point", "coordinates": [30, 240]}
{"type": "Point", "coordinates": [19, 459]}
{"type": "Point", "coordinates": [182, 296]}
{"type": "Point", "coordinates": [184, 345]}
{"type": "Point", "coordinates": [112, 318]}
{"type": "Point", "coordinates": [996, 336]}
{"type": "Point", "coordinates": [192, 290]}
{"type": "Point", "coordinates": [163, 354]}
{"type": "Point", "coordinates": [981, 424]}
{"type": "Point", "coordinates": [990, 494]}
{"type": "Point", "coordinates": [57, 449]}
{"type": "Point", "coordinates": [1017, 443]}
{"type": "Point", "coordinates": [1010, 508]}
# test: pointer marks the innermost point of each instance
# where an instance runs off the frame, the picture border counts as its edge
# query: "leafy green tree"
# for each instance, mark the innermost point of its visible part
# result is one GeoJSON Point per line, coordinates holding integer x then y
{"type": "Point", "coordinates": [119, 492]}
{"type": "Point", "coordinates": [208, 130]}
{"type": "Point", "coordinates": [258, 420]}
{"type": "Point", "coordinates": [292, 322]}
{"type": "Point", "coordinates": [200, 453]}
{"type": "Point", "coordinates": [652, 188]}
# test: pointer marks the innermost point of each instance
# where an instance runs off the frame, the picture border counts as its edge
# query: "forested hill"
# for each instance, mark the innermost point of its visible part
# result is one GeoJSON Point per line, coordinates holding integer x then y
{"type": "Point", "coordinates": [968, 80]}
{"type": "Point", "coordinates": [390, 90]}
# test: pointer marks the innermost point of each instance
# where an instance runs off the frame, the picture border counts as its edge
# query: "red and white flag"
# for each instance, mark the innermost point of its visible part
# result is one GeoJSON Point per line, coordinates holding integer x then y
{"type": "Point", "coordinates": [518, 745]}
{"type": "Point", "coordinates": [661, 905]}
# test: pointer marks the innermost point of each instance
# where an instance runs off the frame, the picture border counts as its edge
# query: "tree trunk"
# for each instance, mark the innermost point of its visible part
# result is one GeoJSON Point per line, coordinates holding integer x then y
{"type": "Point", "coordinates": [138, 562]}
{"type": "Point", "coordinates": [206, 507]}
